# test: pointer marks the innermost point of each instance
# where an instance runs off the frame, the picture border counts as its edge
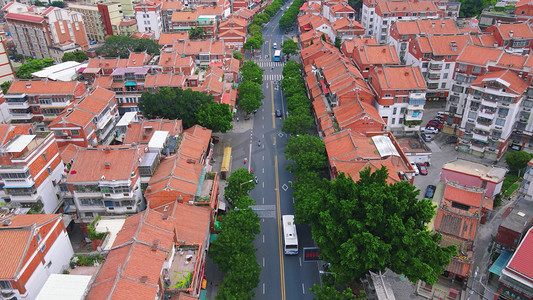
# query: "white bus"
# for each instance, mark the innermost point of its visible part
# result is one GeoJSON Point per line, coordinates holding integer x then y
{"type": "Point", "coordinates": [290, 238]}
{"type": "Point", "coordinates": [277, 55]}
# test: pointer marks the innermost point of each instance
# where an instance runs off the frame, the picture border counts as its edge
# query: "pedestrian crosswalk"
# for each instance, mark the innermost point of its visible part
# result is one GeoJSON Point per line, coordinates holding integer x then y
{"type": "Point", "coordinates": [268, 64]}
{"type": "Point", "coordinates": [272, 77]}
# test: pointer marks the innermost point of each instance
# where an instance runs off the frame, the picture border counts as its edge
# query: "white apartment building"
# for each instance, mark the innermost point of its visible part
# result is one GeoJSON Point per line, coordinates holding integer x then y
{"type": "Point", "coordinates": [149, 17]}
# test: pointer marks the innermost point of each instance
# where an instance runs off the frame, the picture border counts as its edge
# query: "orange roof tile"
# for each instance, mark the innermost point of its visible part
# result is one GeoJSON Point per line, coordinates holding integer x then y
{"type": "Point", "coordinates": [184, 16]}
{"type": "Point", "coordinates": [376, 54]}
{"type": "Point", "coordinates": [43, 87]}
{"type": "Point", "coordinates": [456, 225]}
{"type": "Point", "coordinates": [104, 82]}
{"type": "Point", "coordinates": [356, 110]}
{"type": "Point", "coordinates": [67, 153]}
{"type": "Point", "coordinates": [504, 77]}
{"type": "Point", "coordinates": [479, 55]}
{"type": "Point", "coordinates": [169, 38]}
{"type": "Point", "coordinates": [519, 30]}
{"type": "Point", "coordinates": [141, 132]}
{"type": "Point", "coordinates": [467, 197]}
{"type": "Point", "coordinates": [400, 78]}
{"type": "Point", "coordinates": [90, 164]}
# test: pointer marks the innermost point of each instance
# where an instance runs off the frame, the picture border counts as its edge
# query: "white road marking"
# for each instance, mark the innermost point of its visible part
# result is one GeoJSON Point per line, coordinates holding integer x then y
{"type": "Point", "coordinates": [263, 261]}
{"type": "Point", "coordinates": [298, 258]}
{"type": "Point", "coordinates": [303, 289]}
{"type": "Point", "coordinates": [263, 288]}
{"type": "Point", "coordinates": [263, 238]}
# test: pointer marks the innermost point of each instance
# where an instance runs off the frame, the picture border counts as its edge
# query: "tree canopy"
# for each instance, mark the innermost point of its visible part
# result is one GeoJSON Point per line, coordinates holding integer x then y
{"type": "Point", "coordinates": [239, 185]}
{"type": "Point", "coordinates": [250, 96]}
{"type": "Point", "coordinates": [122, 45]}
{"type": "Point", "coordinates": [298, 123]}
{"type": "Point", "coordinates": [250, 71]}
{"type": "Point", "coordinates": [290, 15]}
{"type": "Point", "coordinates": [5, 86]}
{"type": "Point", "coordinates": [78, 56]}
{"type": "Point", "coordinates": [292, 69]}
{"type": "Point", "coordinates": [196, 33]}
{"type": "Point", "coordinates": [472, 8]}
{"type": "Point", "coordinates": [289, 48]}
{"type": "Point", "coordinates": [33, 65]}
{"type": "Point", "coordinates": [517, 160]}
{"type": "Point", "coordinates": [174, 103]}
{"type": "Point", "coordinates": [252, 43]}
{"type": "Point", "coordinates": [308, 152]}
{"type": "Point", "coordinates": [372, 225]}
{"type": "Point", "coordinates": [215, 116]}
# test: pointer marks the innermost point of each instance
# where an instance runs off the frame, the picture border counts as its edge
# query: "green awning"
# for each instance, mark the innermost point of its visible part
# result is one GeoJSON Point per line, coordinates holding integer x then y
{"type": "Point", "coordinates": [481, 141]}
{"type": "Point", "coordinates": [130, 83]}
{"type": "Point", "coordinates": [501, 262]}
{"type": "Point", "coordinates": [202, 20]}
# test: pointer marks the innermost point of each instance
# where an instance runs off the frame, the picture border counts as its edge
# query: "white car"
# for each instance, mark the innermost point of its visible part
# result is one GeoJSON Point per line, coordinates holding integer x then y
{"type": "Point", "coordinates": [415, 168]}
{"type": "Point", "coordinates": [275, 46]}
{"type": "Point", "coordinates": [429, 130]}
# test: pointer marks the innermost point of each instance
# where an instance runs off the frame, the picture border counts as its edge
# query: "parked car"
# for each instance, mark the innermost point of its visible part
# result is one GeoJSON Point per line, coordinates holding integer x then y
{"type": "Point", "coordinates": [278, 113]}
{"type": "Point", "coordinates": [432, 124]}
{"type": "Point", "coordinates": [415, 168]}
{"type": "Point", "coordinates": [436, 121]}
{"type": "Point", "coordinates": [215, 139]}
{"type": "Point", "coordinates": [422, 168]}
{"type": "Point", "coordinates": [275, 45]}
{"type": "Point", "coordinates": [439, 126]}
{"type": "Point", "coordinates": [429, 130]}
{"type": "Point", "coordinates": [430, 191]}
{"type": "Point", "coordinates": [425, 137]}
{"type": "Point", "coordinates": [440, 114]}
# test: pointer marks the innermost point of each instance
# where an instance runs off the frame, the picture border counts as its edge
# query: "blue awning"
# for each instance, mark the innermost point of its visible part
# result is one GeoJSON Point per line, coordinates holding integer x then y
{"type": "Point", "coordinates": [130, 83]}
{"type": "Point", "coordinates": [501, 262]}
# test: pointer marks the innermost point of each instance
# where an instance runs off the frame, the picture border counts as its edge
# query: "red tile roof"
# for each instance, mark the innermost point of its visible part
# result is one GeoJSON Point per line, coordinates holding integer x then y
{"type": "Point", "coordinates": [356, 110]}
{"type": "Point", "coordinates": [90, 164]}
{"type": "Point", "coordinates": [15, 240]}
{"type": "Point", "coordinates": [25, 17]}
{"type": "Point", "coordinates": [521, 263]}
{"type": "Point", "coordinates": [463, 195]}
{"type": "Point", "coordinates": [376, 55]}
{"type": "Point", "coordinates": [456, 225]}
{"type": "Point", "coordinates": [519, 30]}
{"type": "Point", "coordinates": [479, 55]}
{"type": "Point", "coordinates": [509, 79]}
{"type": "Point", "coordinates": [141, 132]}
{"type": "Point", "coordinates": [169, 38]}
{"type": "Point", "coordinates": [43, 87]}
{"type": "Point", "coordinates": [400, 78]}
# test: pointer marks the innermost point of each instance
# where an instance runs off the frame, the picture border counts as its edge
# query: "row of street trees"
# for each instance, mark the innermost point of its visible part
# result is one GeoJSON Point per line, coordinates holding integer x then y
{"type": "Point", "coordinates": [250, 93]}
{"type": "Point", "coordinates": [255, 30]}
{"type": "Point", "coordinates": [233, 250]}
{"type": "Point", "coordinates": [369, 224]}
{"type": "Point", "coordinates": [300, 120]}
{"type": "Point", "coordinates": [190, 106]}
{"type": "Point", "coordinates": [290, 15]}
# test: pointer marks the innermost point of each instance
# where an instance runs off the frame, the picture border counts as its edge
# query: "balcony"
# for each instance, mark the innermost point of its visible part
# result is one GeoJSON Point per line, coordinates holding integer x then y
{"type": "Point", "coordinates": [435, 67]}
{"type": "Point", "coordinates": [489, 103]}
{"type": "Point", "coordinates": [17, 104]}
{"type": "Point", "coordinates": [19, 182]}
{"type": "Point", "coordinates": [414, 116]}
{"type": "Point", "coordinates": [103, 121]}
{"type": "Point", "coordinates": [477, 148]}
{"type": "Point", "coordinates": [483, 126]}
{"type": "Point", "coordinates": [480, 137]}
{"type": "Point", "coordinates": [55, 104]}
{"type": "Point", "coordinates": [118, 196]}
{"type": "Point", "coordinates": [485, 113]}
{"type": "Point", "coordinates": [21, 116]}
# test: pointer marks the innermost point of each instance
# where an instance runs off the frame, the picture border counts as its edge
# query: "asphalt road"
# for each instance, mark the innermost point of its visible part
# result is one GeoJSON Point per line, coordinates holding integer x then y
{"type": "Point", "coordinates": [282, 277]}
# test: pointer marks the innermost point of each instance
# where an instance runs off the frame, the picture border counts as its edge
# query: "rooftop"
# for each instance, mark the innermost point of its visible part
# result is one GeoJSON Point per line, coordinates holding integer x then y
{"type": "Point", "coordinates": [485, 172]}
{"type": "Point", "coordinates": [64, 287]}
{"type": "Point", "coordinates": [521, 263]}
{"type": "Point", "coordinates": [519, 219]}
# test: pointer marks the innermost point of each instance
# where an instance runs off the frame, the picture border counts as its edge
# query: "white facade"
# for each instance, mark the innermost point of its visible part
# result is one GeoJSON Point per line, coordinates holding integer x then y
{"type": "Point", "coordinates": [149, 21]}
{"type": "Point", "coordinates": [398, 113]}
{"type": "Point", "coordinates": [526, 188]}
{"type": "Point", "coordinates": [6, 70]}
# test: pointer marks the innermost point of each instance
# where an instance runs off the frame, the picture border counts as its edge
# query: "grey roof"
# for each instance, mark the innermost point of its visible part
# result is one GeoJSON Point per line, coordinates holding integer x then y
{"type": "Point", "coordinates": [520, 217]}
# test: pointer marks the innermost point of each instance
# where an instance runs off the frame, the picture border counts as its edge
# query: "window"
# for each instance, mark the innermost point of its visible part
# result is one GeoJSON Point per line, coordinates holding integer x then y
{"type": "Point", "coordinates": [462, 67]}
{"type": "Point", "coordinates": [38, 238]}
{"type": "Point", "coordinates": [45, 157]}
{"type": "Point", "coordinates": [445, 76]}
{"type": "Point", "coordinates": [387, 96]}
{"type": "Point", "coordinates": [476, 69]}
{"type": "Point", "coordinates": [49, 264]}
{"type": "Point", "coordinates": [394, 111]}
{"type": "Point", "coordinates": [5, 285]}
{"type": "Point", "coordinates": [427, 55]}
{"type": "Point", "coordinates": [460, 206]}
{"type": "Point", "coordinates": [443, 85]}
{"type": "Point", "coordinates": [49, 169]}
{"type": "Point", "coordinates": [425, 65]}
{"type": "Point", "coordinates": [91, 202]}
{"type": "Point", "coordinates": [500, 122]}
{"type": "Point", "coordinates": [75, 132]}
{"type": "Point", "coordinates": [89, 214]}
{"type": "Point", "coordinates": [43, 248]}
{"type": "Point", "coordinates": [447, 66]}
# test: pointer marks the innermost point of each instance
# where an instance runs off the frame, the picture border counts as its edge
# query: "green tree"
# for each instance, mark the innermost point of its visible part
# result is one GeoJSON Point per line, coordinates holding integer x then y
{"type": "Point", "coordinates": [59, 4]}
{"type": "Point", "coordinates": [307, 152]}
{"type": "Point", "coordinates": [338, 42]}
{"type": "Point", "coordinates": [250, 96]}
{"type": "Point", "coordinates": [297, 102]}
{"type": "Point", "coordinates": [5, 86]}
{"type": "Point", "coordinates": [289, 48]}
{"type": "Point", "coordinates": [517, 160]}
{"type": "Point", "coordinates": [33, 65]}
{"type": "Point", "coordinates": [40, 3]}
{"type": "Point", "coordinates": [78, 56]}
{"type": "Point", "coordinates": [122, 45]}
{"type": "Point", "coordinates": [372, 225]}
{"type": "Point", "coordinates": [255, 29]}
{"type": "Point", "coordinates": [292, 69]}
{"type": "Point", "coordinates": [327, 292]}
{"type": "Point", "coordinates": [323, 37]}
{"type": "Point", "coordinates": [250, 71]}
{"type": "Point", "coordinates": [240, 282]}
{"type": "Point", "coordinates": [196, 33]}
{"type": "Point", "coordinates": [237, 55]}
{"type": "Point", "coordinates": [174, 103]}
{"type": "Point", "coordinates": [252, 43]}
{"type": "Point", "coordinates": [298, 123]}
{"type": "Point", "coordinates": [239, 185]}
{"type": "Point", "coordinates": [215, 116]}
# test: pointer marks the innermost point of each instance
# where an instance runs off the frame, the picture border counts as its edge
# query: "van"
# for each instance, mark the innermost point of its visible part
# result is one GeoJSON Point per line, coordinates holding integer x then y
{"type": "Point", "coordinates": [440, 114]}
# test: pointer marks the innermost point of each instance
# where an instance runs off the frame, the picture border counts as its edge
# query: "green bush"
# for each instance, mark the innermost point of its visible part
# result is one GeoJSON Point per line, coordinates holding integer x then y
{"type": "Point", "coordinates": [93, 235]}
{"type": "Point", "coordinates": [511, 189]}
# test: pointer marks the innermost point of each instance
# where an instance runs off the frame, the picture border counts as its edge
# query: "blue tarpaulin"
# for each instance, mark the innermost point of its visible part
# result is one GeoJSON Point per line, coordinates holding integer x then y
{"type": "Point", "coordinates": [130, 83]}
{"type": "Point", "coordinates": [501, 262]}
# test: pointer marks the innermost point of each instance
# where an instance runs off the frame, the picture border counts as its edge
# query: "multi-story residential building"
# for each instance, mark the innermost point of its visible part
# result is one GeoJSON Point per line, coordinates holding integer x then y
{"type": "Point", "coordinates": [30, 167]}
{"type": "Point", "coordinates": [45, 32]}
{"type": "Point", "coordinates": [6, 69]}
{"type": "Point", "coordinates": [127, 27]}
{"type": "Point", "coordinates": [345, 29]}
{"type": "Point", "coordinates": [203, 52]}
{"type": "Point", "coordinates": [523, 10]}
{"type": "Point", "coordinates": [515, 38]}
{"type": "Point", "coordinates": [106, 181]}
{"type": "Point", "coordinates": [488, 177]}
{"type": "Point", "coordinates": [436, 56]}
{"type": "Point", "coordinates": [491, 109]}
{"type": "Point", "coordinates": [128, 84]}
{"type": "Point", "coordinates": [318, 23]}
{"type": "Point", "coordinates": [173, 63]}
{"type": "Point", "coordinates": [367, 56]}
{"type": "Point", "coordinates": [400, 96]}
{"type": "Point", "coordinates": [41, 100]}
{"type": "Point", "coordinates": [38, 246]}
{"type": "Point", "coordinates": [379, 15]}
{"type": "Point", "coordinates": [469, 64]}
{"type": "Point", "coordinates": [149, 17]}
{"type": "Point", "coordinates": [206, 18]}
{"type": "Point", "coordinates": [516, 281]}
{"type": "Point", "coordinates": [110, 17]}
{"type": "Point", "coordinates": [167, 9]}
{"type": "Point", "coordinates": [91, 18]}
{"type": "Point", "coordinates": [233, 33]}
{"type": "Point", "coordinates": [402, 33]}
{"type": "Point", "coordinates": [338, 10]}
{"type": "Point", "coordinates": [88, 122]}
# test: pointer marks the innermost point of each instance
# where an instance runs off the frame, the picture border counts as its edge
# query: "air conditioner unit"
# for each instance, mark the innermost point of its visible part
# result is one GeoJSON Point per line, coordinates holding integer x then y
{"type": "Point", "coordinates": [69, 137]}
